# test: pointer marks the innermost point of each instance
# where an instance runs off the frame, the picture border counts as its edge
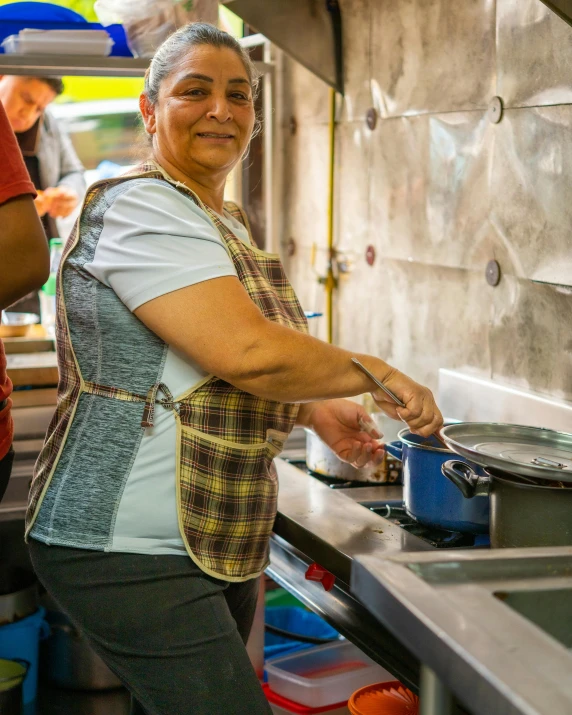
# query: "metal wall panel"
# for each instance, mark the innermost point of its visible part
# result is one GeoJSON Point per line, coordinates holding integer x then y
{"type": "Point", "coordinates": [439, 190]}
{"type": "Point", "coordinates": [534, 54]}
{"type": "Point", "coordinates": [530, 339]}
{"type": "Point", "coordinates": [417, 317]}
{"type": "Point", "coordinates": [530, 199]}
{"type": "Point", "coordinates": [429, 188]}
{"type": "Point", "coordinates": [432, 55]}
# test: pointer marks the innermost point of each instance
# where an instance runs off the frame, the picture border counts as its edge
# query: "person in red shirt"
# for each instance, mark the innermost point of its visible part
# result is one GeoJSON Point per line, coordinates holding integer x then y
{"type": "Point", "coordinates": [24, 262]}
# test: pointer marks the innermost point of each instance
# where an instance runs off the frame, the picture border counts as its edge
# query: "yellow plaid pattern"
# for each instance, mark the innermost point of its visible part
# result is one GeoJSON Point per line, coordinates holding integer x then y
{"type": "Point", "coordinates": [227, 485]}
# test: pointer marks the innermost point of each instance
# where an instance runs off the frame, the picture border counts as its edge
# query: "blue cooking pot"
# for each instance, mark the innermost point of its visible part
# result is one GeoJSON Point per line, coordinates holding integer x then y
{"type": "Point", "coordinates": [429, 496]}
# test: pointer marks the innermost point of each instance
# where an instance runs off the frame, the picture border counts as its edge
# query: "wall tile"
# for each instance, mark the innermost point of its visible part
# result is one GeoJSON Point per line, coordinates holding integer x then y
{"type": "Point", "coordinates": [530, 191]}
{"type": "Point", "coordinates": [357, 37]}
{"type": "Point", "coordinates": [433, 55]}
{"type": "Point", "coordinates": [534, 47]}
{"type": "Point", "coordinates": [305, 96]}
{"type": "Point", "coordinates": [531, 346]}
{"type": "Point", "coordinates": [429, 188]}
{"type": "Point", "coordinates": [419, 318]}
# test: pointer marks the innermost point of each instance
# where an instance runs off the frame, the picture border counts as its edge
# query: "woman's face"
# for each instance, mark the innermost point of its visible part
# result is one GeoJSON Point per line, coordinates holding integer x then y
{"type": "Point", "coordinates": [204, 116]}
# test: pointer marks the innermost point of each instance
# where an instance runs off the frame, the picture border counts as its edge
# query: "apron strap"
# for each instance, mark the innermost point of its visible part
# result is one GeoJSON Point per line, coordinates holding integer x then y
{"type": "Point", "coordinates": [117, 393]}
{"type": "Point", "coordinates": [151, 400]}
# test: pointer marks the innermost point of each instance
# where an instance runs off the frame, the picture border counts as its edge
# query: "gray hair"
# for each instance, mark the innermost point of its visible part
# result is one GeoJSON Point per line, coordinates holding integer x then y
{"type": "Point", "coordinates": [180, 43]}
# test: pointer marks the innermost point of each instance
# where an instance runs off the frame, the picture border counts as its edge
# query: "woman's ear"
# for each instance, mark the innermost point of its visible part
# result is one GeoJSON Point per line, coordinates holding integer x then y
{"type": "Point", "coordinates": [148, 113]}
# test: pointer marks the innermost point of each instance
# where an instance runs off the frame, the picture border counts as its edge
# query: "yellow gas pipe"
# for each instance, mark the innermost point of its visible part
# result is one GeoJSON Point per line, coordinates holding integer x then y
{"type": "Point", "coordinates": [331, 282]}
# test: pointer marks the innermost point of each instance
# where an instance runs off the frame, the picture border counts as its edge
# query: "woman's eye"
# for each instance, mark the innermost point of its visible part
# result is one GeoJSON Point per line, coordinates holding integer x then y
{"type": "Point", "coordinates": [239, 95]}
{"type": "Point", "coordinates": [196, 92]}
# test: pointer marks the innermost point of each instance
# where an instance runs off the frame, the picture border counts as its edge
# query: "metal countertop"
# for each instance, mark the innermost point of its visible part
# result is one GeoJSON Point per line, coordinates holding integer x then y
{"type": "Point", "coordinates": [487, 623]}
{"type": "Point", "coordinates": [331, 526]}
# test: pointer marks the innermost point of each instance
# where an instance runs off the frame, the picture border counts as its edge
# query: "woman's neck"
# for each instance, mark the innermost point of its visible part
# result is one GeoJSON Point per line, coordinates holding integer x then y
{"type": "Point", "coordinates": [209, 189]}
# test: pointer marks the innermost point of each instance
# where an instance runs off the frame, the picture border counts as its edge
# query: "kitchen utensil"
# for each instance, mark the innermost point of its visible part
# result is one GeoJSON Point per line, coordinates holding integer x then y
{"type": "Point", "coordinates": [521, 513]}
{"type": "Point", "coordinates": [18, 594]}
{"type": "Point", "coordinates": [16, 325]}
{"type": "Point", "coordinates": [322, 460]}
{"type": "Point", "coordinates": [12, 674]}
{"type": "Point", "coordinates": [380, 384]}
{"type": "Point", "coordinates": [515, 449]}
{"type": "Point", "coordinates": [388, 392]}
{"type": "Point", "coordinates": [428, 495]}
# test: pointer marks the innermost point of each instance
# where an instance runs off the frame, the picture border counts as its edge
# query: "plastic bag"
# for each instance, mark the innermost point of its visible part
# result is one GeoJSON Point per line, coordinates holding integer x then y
{"type": "Point", "coordinates": [148, 22]}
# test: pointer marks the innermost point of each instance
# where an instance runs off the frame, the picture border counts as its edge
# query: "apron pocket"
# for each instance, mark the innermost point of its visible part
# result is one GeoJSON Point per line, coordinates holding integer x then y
{"type": "Point", "coordinates": [228, 494]}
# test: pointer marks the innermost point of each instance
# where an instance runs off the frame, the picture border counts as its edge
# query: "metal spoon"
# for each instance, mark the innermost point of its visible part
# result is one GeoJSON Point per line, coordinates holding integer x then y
{"type": "Point", "coordinates": [380, 384]}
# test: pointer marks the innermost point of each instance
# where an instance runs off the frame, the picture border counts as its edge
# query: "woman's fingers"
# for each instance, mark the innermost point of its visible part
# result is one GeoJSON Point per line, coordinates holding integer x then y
{"type": "Point", "coordinates": [420, 412]}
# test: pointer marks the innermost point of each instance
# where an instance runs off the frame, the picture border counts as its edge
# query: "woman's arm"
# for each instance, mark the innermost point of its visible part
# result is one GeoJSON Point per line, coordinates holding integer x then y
{"type": "Point", "coordinates": [24, 257]}
{"type": "Point", "coordinates": [216, 324]}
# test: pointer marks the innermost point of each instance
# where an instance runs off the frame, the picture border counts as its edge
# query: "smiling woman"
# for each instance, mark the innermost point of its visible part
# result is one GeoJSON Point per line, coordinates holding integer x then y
{"type": "Point", "coordinates": [185, 362]}
{"type": "Point", "coordinates": [201, 120]}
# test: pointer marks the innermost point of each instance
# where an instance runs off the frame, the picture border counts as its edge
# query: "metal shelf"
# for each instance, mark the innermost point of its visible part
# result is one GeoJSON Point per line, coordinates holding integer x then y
{"type": "Point", "coordinates": [57, 65]}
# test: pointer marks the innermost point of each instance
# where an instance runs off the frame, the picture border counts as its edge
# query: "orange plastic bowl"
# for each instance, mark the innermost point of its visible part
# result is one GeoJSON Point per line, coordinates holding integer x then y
{"type": "Point", "coordinates": [391, 698]}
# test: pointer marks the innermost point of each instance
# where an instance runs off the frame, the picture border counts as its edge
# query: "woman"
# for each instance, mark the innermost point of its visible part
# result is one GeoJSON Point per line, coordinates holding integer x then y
{"type": "Point", "coordinates": [184, 360]}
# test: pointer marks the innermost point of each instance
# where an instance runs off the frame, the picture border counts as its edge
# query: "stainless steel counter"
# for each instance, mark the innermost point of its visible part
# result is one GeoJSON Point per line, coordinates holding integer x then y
{"type": "Point", "coordinates": [485, 624]}
{"type": "Point", "coordinates": [494, 626]}
{"type": "Point", "coordinates": [331, 526]}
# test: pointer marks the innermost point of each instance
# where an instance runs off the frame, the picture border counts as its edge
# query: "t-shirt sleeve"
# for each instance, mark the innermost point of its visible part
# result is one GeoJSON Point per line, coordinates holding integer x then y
{"type": "Point", "coordinates": [154, 241]}
{"type": "Point", "coordinates": [14, 178]}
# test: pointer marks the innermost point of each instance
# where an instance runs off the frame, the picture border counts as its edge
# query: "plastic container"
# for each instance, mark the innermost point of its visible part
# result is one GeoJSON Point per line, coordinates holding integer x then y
{"type": "Point", "coordinates": [21, 640]}
{"type": "Point", "coordinates": [48, 291]}
{"type": "Point", "coordinates": [283, 706]}
{"type": "Point", "coordinates": [293, 619]}
{"type": "Point", "coordinates": [323, 675]}
{"type": "Point", "coordinates": [95, 43]}
{"type": "Point", "coordinates": [18, 16]}
{"type": "Point", "coordinates": [280, 597]}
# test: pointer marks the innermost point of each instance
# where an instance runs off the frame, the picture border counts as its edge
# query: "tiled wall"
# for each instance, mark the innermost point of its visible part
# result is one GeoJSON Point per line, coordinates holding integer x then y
{"type": "Point", "coordinates": [439, 190]}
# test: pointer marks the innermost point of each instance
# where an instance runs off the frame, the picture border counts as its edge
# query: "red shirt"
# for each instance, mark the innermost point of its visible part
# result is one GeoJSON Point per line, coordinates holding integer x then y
{"type": "Point", "coordinates": [14, 181]}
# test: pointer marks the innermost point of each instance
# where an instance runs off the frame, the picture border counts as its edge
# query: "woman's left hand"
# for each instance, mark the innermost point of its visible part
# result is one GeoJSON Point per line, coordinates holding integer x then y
{"type": "Point", "coordinates": [346, 428]}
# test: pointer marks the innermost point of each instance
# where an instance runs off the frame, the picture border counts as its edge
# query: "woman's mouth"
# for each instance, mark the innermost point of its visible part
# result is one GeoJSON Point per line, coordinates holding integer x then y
{"type": "Point", "coordinates": [213, 136]}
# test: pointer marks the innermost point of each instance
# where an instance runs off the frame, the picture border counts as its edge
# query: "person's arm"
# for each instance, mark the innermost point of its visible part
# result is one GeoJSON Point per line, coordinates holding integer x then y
{"type": "Point", "coordinates": [24, 257]}
{"type": "Point", "coordinates": [70, 187]}
{"type": "Point", "coordinates": [165, 260]}
{"type": "Point", "coordinates": [217, 325]}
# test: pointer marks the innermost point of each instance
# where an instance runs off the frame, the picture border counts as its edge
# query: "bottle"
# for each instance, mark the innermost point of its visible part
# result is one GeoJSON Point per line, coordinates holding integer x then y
{"type": "Point", "coordinates": [48, 291]}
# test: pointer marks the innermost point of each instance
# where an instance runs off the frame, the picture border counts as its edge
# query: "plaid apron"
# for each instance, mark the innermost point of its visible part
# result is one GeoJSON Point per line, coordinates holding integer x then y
{"type": "Point", "coordinates": [227, 438]}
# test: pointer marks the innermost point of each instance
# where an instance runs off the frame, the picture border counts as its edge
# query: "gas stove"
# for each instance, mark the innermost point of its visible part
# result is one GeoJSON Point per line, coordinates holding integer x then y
{"type": "Point", "coordinates": [393, 475]}
{"type": "Point", "coordinates": [394, 511]}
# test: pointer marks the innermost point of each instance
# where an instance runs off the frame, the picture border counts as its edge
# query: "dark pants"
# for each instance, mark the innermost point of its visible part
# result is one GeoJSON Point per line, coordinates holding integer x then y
{"type": "Point", "coordinates": [5, 471]}
{"type": "Point", "coordinates": [172, 634]}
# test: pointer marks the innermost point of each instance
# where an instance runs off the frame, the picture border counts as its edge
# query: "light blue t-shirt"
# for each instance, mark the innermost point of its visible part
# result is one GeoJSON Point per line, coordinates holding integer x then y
{"type": "Point", "coordinates": [155, 241]}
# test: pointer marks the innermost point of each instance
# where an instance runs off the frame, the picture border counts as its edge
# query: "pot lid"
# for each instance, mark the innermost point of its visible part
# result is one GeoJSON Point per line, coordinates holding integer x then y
{"type": "Point", "coordinates": [520, 450]}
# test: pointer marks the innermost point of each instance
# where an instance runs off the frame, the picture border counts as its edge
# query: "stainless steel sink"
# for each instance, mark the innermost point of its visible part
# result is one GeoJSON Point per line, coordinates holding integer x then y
{"type": "Point", "coordinates": [494, 626]}
{"type": "Point", "coordinates": [550, 610]}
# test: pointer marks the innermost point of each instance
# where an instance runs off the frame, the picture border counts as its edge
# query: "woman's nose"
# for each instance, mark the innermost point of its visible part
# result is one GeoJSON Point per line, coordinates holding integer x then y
{"type": "Point", "coordinates": [219, 109]}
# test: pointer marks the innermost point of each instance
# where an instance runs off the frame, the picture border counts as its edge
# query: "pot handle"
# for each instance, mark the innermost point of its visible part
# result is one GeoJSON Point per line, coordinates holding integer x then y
{"type": "Point", "coordinates": [464, 478]}
{"type": "Point", "coordinates": [395, 449]}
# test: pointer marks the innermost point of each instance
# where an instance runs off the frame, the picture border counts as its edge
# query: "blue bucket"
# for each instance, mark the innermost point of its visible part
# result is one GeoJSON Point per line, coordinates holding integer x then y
{"type": "Point", "coordinates": [294, 620]}
{"type": "Point", "coordinates": [22, 640]}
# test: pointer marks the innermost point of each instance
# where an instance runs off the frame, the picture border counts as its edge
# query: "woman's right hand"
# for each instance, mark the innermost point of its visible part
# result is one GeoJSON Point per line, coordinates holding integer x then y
{"type": "Point", "coordinates": [421, 413]}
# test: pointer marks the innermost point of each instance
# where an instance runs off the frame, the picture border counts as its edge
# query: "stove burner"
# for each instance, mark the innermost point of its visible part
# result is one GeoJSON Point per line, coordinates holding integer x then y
{"type": "Point", "coordinates": [335, 482]}
{"type": "Point", "coordinates": [438, 538]}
